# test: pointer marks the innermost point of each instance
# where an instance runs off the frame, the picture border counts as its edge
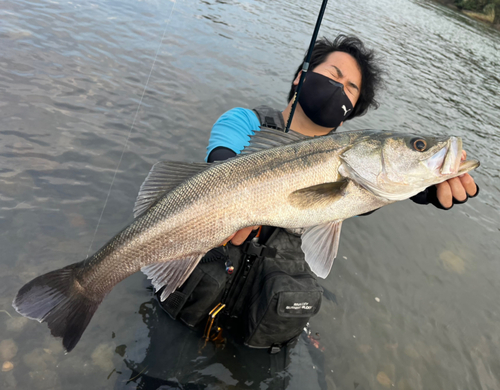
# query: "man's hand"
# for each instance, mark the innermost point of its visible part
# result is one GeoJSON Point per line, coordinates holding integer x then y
{"type": "Point", "coordinates": [458, 188]}
{"type": "Point", "coordinates": [240, 236]}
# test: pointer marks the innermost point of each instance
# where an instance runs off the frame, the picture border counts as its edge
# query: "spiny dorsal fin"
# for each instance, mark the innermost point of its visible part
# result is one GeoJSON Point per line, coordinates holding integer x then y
{"type": "Point", "coordinates": [268, 138]}
{"type": "Point", "coordinates": [163, 177]}
{"type": "Point", "coordinates": [320, 245]}
{"type": "Point", "coordinates": [170, 274]}
{"type": "Point", "coordinates": [318, 196]}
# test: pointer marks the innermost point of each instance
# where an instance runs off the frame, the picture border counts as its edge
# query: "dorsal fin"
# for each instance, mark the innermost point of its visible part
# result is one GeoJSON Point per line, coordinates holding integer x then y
{"type": "Point", "coordinates": [163, 177]}
{"type": "Point", "coordinates": [268, 138]}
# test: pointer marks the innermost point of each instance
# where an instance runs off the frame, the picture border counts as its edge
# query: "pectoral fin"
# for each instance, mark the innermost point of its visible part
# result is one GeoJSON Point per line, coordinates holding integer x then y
{"type": "Point", "coordinates": [320, 195]}
{"type": "Point", "coordinates": [320, 245]}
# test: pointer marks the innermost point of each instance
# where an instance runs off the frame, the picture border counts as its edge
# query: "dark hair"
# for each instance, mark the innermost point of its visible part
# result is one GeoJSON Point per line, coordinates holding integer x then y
{"type": "Point", "coordinates": [371, 72]}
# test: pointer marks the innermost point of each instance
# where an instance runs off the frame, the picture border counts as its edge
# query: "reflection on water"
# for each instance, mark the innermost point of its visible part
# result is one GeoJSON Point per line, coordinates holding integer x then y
{"type": "Point", "coordinates": [411, 302]}
{"type": "Point", "coordinates": [168, 354]}
{"type": "Point", "coordinates": [171, 355]}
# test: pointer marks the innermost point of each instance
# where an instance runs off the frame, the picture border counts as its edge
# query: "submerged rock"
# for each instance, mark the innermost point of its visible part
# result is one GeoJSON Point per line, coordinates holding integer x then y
{"type": "Point", "coordinates": [53, 346]}
{"type": "Point", "coordinates": [45, 379]}
{"type": "Point", "coordinates": [8, 349]}
{"type": "Point", "coordinates": [16, 324]}
{"type": "Point", "coordinates": [103, 356]}
{"type": "Point", "coordinates": [410, 351]}
{"type": "Point", "coordinates": [7, 366]}
{"type": "Point", "coordinates": [39, 360]}
{"type": "Point", "coordinates": [8, 381]}
{"type": "Point", "coordinates": [384, 379]}
{"type": "Point", "coordinates": [452, 262]}
{"type": "Point", "coordinates": [75, 366]}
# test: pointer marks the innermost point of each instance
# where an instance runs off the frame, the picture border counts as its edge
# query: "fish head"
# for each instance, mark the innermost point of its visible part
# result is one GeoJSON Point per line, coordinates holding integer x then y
{"type": "Point", "coordinates": [397, 166]}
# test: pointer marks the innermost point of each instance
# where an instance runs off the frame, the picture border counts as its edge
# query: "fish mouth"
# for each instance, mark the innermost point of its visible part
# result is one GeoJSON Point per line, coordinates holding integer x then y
{"type": "Point", "coordinates": [448, 161]}
{"type": "Point", "coordinates": [466, 166]}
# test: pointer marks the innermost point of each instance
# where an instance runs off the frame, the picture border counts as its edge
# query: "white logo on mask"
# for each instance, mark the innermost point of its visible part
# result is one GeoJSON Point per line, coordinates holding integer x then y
{"type": "Point", "coordinates": [345, 110]}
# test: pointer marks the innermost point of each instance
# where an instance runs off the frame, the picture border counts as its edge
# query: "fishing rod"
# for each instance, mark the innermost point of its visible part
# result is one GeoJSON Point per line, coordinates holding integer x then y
{"type": "Point", "coordinates": [305, 65]}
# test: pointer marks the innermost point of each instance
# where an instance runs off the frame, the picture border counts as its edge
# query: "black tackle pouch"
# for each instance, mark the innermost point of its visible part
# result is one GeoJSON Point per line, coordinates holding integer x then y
{"type": "Point", "coordinates": [285, 295]}
{"type": "Point", "coordinates": [191, 302]}
{"type": "Point", "coordinates": [269, 298]}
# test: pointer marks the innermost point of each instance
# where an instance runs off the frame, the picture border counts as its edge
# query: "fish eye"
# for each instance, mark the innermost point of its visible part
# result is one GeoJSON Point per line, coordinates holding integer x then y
{"type": "Point", "coordinates": [419, 144]}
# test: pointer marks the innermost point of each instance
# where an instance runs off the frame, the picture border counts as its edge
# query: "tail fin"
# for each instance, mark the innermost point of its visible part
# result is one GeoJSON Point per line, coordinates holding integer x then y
{"type": "Point", "coordinates": [56, 298]}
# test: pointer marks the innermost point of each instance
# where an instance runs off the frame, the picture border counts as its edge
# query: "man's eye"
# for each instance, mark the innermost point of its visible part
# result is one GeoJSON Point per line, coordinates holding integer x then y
{"type": "Point", "coordinates": [335, 73]}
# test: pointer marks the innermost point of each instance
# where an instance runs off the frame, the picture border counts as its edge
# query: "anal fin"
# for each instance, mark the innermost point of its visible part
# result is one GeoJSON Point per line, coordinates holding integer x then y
{"type": "Point", "coordinates": [170, 274]}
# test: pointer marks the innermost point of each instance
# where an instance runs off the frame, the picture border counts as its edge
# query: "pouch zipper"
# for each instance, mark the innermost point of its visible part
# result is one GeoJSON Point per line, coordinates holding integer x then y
{"type": "Point", "coordinates": [239, 279]}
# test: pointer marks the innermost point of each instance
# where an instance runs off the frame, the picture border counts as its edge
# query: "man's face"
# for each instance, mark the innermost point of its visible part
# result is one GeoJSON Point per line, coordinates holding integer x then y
{"type": "Point", "coordinates": [343, 68]}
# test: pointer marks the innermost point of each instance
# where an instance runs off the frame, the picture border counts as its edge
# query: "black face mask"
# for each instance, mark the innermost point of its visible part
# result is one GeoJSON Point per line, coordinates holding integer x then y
{"type": "Point", "coordinates": [324, 100]}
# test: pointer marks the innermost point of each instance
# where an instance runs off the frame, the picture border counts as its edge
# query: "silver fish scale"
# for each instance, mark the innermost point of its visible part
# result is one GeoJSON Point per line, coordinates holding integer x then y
{"type": "Point", "coordinates": [245, 191]}
{"type": "Point", "coordinates": [204, 210]}
{"type": "Point", "coordinates": [314, 183]}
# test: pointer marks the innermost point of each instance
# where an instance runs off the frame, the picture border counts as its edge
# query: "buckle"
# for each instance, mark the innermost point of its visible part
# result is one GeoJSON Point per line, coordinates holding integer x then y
{"type": "Point", "coordinates": [275, 348]}
{"type": "Point", "coordinates": [207, 334]}
{"type": "Point", "coordinates": [252, 248]}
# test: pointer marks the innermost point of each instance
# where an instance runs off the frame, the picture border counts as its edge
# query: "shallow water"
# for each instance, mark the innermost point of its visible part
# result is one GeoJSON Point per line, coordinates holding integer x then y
{"type": "Point", "coordinates": [72, 76]}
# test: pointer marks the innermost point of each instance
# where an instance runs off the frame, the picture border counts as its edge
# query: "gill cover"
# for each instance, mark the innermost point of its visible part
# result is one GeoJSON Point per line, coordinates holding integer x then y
{"type": "Point", "coordinates": [395, 166]}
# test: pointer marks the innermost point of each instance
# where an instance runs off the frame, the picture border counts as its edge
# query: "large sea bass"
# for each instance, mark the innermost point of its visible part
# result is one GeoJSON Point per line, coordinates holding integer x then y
{"type": "Point", "coordinates": [286, 180]}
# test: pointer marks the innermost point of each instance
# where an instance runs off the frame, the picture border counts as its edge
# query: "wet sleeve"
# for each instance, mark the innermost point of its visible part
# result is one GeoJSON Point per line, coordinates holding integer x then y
{"type": "Point", "coordinates": [232, 130]}
{"type": "Point", "coordinates": [220, 153]}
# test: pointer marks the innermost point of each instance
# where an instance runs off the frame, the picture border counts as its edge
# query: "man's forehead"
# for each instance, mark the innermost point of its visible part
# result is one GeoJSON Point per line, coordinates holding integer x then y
{"type": "Point", "coordinates": [340, 58]}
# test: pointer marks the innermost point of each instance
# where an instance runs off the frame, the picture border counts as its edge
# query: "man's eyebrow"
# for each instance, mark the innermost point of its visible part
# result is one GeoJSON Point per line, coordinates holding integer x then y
{"type": "Point", "coordinates": [351, 84]}
{"type": "Point", "coordinates": [340, 75]}
{"type": "Point", "coordinates": [339, 72]}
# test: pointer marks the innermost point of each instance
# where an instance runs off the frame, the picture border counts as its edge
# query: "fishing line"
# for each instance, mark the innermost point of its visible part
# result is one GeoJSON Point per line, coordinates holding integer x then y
{"type": "Point", "coordinates": [305, 65]}
{"type": "Point", "coordinates": [131, 127]}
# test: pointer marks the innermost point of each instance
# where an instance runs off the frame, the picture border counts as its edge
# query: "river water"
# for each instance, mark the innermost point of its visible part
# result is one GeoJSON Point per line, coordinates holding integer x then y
{"type": "Point", "coordinates": [412, 301]}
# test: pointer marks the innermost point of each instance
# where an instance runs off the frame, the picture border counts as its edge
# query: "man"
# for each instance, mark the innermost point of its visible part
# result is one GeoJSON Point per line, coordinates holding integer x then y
{"type": "Point", "coordinates": [341, 84]}
{"type": "Point", "coordinates": [348, 62]}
